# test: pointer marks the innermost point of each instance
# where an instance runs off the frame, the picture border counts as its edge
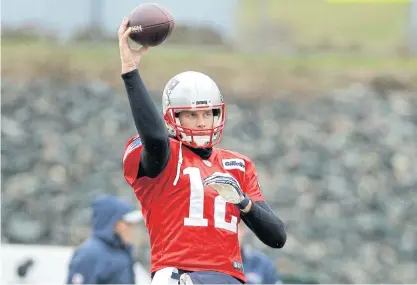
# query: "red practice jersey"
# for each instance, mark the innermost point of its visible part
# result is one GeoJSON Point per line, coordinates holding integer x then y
{"type": "Point", "coordinates": [190, 226]}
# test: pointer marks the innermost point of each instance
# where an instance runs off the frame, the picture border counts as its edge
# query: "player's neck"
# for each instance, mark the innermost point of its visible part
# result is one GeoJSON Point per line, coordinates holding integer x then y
{"type": "Point", "coordinates": [204, 153]}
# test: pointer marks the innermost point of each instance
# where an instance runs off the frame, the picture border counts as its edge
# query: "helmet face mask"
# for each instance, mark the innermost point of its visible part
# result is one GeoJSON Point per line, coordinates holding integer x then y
{"type": "Point", "coordinates": [195, 137]}
{"type": "Point", "coordinates": [193, 91]}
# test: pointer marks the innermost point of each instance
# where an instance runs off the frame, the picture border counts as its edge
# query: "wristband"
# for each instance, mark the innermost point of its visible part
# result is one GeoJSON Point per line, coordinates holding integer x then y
{"type": "Point", "coordinates": [244, 203]}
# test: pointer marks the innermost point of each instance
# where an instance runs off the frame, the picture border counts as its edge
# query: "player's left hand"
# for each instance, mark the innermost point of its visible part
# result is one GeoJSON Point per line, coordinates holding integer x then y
{"type": "Point", "coordinates": [226, 186]}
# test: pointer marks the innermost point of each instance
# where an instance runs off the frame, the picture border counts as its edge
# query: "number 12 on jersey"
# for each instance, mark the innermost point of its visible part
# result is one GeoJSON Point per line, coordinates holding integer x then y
{"type": "Point", "coordinates": [196, 216]}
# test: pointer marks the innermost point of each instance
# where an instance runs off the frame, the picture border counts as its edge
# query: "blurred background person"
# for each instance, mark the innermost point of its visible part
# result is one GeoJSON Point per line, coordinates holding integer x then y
{"type": "Point", "coordinates": [259, 268]}
{"type": "Point", "coordinates": [106, 257]}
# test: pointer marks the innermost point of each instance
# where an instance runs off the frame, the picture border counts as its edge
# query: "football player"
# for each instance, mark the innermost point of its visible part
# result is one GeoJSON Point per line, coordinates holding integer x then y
{"type": "Point", "coordinates": [193, 195]}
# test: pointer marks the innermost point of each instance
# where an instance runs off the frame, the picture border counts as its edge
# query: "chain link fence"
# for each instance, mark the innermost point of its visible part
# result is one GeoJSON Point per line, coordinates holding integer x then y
{"type": "Point", "coordinates": [338, 170]}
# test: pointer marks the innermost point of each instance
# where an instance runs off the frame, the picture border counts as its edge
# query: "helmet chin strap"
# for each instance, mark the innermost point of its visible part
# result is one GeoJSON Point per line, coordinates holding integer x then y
{"type": "Point", "coordinates": [204, 153]}
{"type": "Point", "coordinates": [177, 176]}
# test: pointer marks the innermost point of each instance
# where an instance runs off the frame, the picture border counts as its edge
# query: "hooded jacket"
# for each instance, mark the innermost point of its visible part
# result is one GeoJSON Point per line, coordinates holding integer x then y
{"type": "Point", "coordinates": [104, 258]}
{"type": "Point", "coordinates": [259, 269]}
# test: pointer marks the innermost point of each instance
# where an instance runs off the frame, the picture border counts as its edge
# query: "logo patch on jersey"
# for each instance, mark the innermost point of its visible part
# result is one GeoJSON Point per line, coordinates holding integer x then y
{"type": "Point", "coordinates": [132, 146]}
{"type": "Point", "coordinates": [234, 163]}
{"type": "Point", "coordinates": [237, 265]}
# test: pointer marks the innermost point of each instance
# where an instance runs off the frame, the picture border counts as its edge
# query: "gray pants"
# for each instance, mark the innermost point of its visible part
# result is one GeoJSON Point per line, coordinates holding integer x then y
{"type": "Point", "coordinates": [208, 277]}
{"type": "Point", "coordinates": [172, 275]}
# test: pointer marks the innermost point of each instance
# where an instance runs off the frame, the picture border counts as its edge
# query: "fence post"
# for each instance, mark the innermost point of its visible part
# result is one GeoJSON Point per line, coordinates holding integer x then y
{"type": "Point", "coordinates": [96, 19]}
{"type": "Point", "coordinates": [412, 27]}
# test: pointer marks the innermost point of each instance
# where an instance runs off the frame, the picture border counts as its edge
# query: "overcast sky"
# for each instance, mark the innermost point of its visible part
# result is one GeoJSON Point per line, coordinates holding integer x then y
{"type": "Point", "coordinates": [66, 16]}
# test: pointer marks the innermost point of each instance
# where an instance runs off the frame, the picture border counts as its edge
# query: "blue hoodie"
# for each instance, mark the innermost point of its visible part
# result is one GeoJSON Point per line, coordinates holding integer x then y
{"type": "Point", "coordinates": [104, 258]}
{"type": "Point", "coordinates": [259, 269]}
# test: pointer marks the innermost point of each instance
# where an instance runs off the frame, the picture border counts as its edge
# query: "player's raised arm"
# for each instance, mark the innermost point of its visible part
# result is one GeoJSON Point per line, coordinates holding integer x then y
{"type": "Point", "coordinates": [149, 123]}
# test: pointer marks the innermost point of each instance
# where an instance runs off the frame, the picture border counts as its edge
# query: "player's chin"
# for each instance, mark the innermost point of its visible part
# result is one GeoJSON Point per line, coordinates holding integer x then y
{"type": "Point", "coordinates": [202, 139]}
{"type": "Point", "coordinates": [200, 145]}
{"type": "Point", "coordinates": [202, 142]}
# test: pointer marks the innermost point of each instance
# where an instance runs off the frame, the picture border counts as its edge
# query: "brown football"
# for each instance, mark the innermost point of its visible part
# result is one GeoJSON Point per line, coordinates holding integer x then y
{"type": "Point", "coordinates": [151, 24]}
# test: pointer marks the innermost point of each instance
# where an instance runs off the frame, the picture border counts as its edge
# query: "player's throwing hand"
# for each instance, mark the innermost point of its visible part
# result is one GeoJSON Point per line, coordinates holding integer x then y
{"type": "Point", "coordinates": [129, 57]}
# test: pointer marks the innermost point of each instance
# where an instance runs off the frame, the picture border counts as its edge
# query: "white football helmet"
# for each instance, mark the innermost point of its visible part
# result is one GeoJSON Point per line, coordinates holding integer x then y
{"type": "Point", "coordinates": [192, 90]}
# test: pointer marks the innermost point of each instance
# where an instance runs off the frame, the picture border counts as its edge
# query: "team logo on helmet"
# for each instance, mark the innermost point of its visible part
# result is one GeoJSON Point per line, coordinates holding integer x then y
{"type": "Point", "coordinates": [171, 85]}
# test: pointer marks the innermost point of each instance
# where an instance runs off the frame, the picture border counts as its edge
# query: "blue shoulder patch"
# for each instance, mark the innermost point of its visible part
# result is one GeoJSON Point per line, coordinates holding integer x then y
{"type": "Point", "coordinates": [132, 146]}
{"type": "Point", "coordinates": [135, 143]}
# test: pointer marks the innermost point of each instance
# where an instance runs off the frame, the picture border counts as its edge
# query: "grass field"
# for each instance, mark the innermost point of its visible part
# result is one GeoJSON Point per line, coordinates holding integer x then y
{"type": "Point", "coordinates": [373, 26]}
{"type": "Point", "coordinates": [236, 72]}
